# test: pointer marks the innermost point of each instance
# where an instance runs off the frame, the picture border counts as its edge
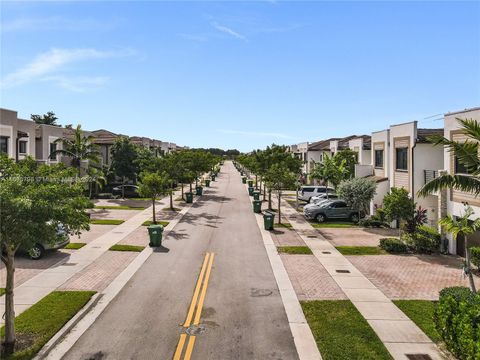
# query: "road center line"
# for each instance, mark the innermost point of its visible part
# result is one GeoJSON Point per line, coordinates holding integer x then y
{"type": "Point", "coordinates": [188, 320]}
{"type": "Point", "coordinates": [181, 343]}
{"type": "Point", "coordinates": [188, 352]}
{"type": "Point", "coordinates": [196, 321]}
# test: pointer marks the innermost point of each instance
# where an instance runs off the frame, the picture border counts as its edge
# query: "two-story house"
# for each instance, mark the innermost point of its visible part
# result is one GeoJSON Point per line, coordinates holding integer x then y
{"type": "Point", "coordinates": [17, 136]}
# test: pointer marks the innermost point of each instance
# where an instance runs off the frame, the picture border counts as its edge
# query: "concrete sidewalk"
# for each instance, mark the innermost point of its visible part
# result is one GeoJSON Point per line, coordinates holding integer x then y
{"type": "Point", "coordinates": [400, 335]}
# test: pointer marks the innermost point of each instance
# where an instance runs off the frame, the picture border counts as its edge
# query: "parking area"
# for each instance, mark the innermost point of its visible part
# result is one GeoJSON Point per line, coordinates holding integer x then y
{"type": "Point", "coordinates": [411, 276]}
{"type": "Point", "coordinates": [356, 236]}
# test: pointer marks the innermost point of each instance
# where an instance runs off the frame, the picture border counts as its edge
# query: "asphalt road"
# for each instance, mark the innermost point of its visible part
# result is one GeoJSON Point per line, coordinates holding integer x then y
{"type": "Point", "coordinates": [242, 315]}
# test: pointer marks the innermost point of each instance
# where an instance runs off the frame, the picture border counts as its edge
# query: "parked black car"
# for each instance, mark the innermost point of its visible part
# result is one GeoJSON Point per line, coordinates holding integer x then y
{"type": "Point", "coordinates": [130, 191]}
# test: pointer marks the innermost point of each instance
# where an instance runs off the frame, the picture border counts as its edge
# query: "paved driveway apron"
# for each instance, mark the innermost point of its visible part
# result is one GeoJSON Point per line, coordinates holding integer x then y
{"type": "Point", "coordinates": [242, 316]}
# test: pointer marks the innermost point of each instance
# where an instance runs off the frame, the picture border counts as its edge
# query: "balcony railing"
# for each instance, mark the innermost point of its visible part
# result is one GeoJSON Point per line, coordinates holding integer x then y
{"type": "Point", "coordinates": [429, 175]}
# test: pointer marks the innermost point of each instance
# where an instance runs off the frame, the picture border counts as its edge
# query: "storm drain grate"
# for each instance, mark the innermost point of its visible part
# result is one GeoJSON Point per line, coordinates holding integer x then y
{"type": "Point", "coordinates": [326, 252]}
{"type": "Point", "coordinates": [343, 271]}
{"type": "Point", "coordinates": [311, 236]}
{"type": "Point", "coordinates": [418, 357]}
{"type": "Point", "coordinates": [69, 264]}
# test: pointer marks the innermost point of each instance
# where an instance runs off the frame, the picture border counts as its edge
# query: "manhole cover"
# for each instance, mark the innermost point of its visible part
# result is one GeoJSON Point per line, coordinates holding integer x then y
{"type": "Point", "coordinates": [195, 330]}
{"type": "Point", "coordinates": [326, 252]}
{"type": "Point", "coordinates": [260, 292]}
{"type": "Point", "coordinates": [418, 357]}
{"type": "Point", "coordinates": [343, 271]}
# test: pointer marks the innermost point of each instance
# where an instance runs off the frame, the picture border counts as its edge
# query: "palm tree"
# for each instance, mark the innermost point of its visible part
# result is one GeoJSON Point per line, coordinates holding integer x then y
{"type": "Point", "coordinates": [467, 154]}
{"type": "Point", "coordinates": [463, 226]}
{"type": "Point", "coordinates": [97, 179]}
{"type": "Point", "coordinates": [329, 171]}
{"type": "Point", "coordinates": [78, 149]}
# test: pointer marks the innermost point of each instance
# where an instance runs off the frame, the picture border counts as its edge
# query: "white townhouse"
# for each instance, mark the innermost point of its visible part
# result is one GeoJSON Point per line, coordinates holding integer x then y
{"type": "Point", "coordinates": [17, 136]}
{"type": "Point", "coordinates": [454, 202]}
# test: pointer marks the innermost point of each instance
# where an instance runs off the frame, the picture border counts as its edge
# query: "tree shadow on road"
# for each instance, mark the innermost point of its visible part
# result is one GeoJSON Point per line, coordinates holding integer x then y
{"type": "Point", "coordinates": [203, 218]}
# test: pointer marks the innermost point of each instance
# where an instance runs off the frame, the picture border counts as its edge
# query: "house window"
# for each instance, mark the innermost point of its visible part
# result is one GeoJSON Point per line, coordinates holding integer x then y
{"type": "Point", "coordinates": [22, 147]}
{"type": "Point", "coordinates": [460, 168]}
{"type": "Point", "coordinates": [379, 159]}
{"type": "Point", "coordinates": [53, 148]}
{"type": "Point", "coordinates": [4, 144]}
{"type": "Point", "coordinates": [402, 159]}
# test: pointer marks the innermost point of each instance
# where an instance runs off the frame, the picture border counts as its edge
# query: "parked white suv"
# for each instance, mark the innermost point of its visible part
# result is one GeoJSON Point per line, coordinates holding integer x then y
{"type": "Point", "coordinates": [306, 192]}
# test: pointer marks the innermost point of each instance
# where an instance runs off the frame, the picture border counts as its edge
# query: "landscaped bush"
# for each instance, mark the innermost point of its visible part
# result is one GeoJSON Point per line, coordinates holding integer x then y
{"type": "Point", "coordinates": [457, 319]}
{"type": "Point", "coordinates": [393, 245]}
{"type": "Point", "coordinates": [371, 222]}
{"type": "Point", "coordinates": [425, 240]}
{"type": "Point", "coordinates": [475, 256]}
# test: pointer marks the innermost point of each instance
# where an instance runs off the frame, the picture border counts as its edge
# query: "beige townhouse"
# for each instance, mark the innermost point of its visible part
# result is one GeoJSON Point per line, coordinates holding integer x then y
{"type": "Point", "coordinates": [17, 136]}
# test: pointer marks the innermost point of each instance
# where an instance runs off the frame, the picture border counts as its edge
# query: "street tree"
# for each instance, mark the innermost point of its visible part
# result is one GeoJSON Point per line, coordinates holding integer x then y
{"type": "Point", "coordinates": [124, 156]}
{"type": "Point", "coordinates": [47, 119]}
{"type": "Point", "coordinates": [351, 159]}
{"type": "Point", "coordinates": [358, 193]}
{"type": "Point", "coordinates": [153, 185]}
{"type": "Point", "coordinates": [35, 200]}
{"type": "Point", "coordinates": [79, 148]}
{"type": "Point", "coordinates": [463, 227]}
{"type": "Point", "coordinates": [279, 177]}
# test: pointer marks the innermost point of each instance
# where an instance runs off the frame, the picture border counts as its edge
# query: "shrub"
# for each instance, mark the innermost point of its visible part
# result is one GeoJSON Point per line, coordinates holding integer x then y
{"type": "Point", "coordinates": [371, 223]}
{"type": "Point", "coordinates": [475, 256]}
{"type": "Point", "coordinates": [393, 245]}
{"type": "Point", "coordinates": [424, 240]}
{"type": "Point", "coordinates": [457, 319]}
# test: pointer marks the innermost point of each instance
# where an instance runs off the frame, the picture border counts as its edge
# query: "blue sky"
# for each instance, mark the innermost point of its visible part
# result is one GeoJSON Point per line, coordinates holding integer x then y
{"type": "Point", "coordinates": [240, 74]}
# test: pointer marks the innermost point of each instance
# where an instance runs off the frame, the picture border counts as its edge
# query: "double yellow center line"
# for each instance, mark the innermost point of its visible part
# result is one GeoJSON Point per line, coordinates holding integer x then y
{"type": "Point", "coordinates": [195, 309]}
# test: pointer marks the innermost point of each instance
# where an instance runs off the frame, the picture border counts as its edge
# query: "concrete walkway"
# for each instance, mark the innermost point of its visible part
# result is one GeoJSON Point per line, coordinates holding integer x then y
{"type": "Point", "coordinates": [33, 290]}
{"type": "Point", "coordinates": [399, 334]}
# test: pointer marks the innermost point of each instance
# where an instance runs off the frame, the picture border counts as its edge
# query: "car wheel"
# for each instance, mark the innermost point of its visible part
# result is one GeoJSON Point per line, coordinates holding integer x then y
{"type": "Point", "coordinates": [354, 218]}
{"type": "Point", "coordinates": [36, 252]}
{"type": "Point", "coordinates": [321, 218]}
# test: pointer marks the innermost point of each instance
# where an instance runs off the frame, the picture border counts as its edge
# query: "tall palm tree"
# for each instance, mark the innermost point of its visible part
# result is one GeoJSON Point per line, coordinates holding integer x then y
{"type": "Point", "coordinates": [463, 226]}
{"type": "Point", "coordinates": [467, 154]}
{"type": "Point", "coordinates": [78, 149]}
{"type": "Point", "coordinates": [329, 171]}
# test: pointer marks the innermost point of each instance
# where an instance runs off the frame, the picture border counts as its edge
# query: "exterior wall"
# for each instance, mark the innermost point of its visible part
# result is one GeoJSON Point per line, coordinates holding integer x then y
{"type": "Point", "coordinates": [383, 188]}
{"type": "Point", "coordinates": [402, 135]}
{"type": "Point", "coordinates": [456, 199]}
{"type": "Point", "coordinates": [381, 140]}
{"type": "Point", "coordinates": [364, 156]}
{"type": "Point", "coordinates": [47, 134]}
{"type": "Point", "coordinates": [10, 126]}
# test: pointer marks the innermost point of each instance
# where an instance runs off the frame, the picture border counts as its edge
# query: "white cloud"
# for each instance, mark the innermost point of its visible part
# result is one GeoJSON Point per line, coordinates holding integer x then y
{"type": "Point", "coordinates": [77, 84]}
{"type": "Point", "coordinates": [255, 134]}
{"type": "Point", "coordinates": [47, 66]}
{"type": "Point", "coordinates": [229, 31]}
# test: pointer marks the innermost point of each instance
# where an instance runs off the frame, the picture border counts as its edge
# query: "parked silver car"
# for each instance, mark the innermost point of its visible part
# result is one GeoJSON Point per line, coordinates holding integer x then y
{"type": "Point", "coordinates": [331, 210]}
{"type": "Point", "coordinates": [307, 192]}
{"type": "Point", "coordinates": [37, 251]}
{"type": "Point", "coordinates": [317, 198]}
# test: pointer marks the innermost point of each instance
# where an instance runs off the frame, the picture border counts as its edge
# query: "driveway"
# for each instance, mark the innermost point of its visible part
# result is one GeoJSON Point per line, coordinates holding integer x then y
{"type": "Point", "coordinates": [243, 315]}
{"type": "Point", "coordinates": [356, 236]}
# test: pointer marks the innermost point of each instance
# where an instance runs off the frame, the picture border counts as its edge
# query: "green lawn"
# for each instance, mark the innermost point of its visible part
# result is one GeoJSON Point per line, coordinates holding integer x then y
{"type": "Point", "coordinates": [341, 332]}
{"type": "Point", "coordinates": [106, 222]}
{"type": "Point", "coordinates": [421, 313]}
{"type": "Point", "coordinates": [43, 320]}
{"type": "Point", "coordinates": [284, 225]}
{"type": "Point", "coordinates": [360, 250]}
{"type": "Point", "coordinates": [149, 222]}
{"type": "Point", "coordinates": [296, 250]}
{"type": "Point", "coordinates": [134, 248]}
{"type": "Point", "coordinates": [338, 224]}
{"type": "Point", "coordinates": [75, 246]}
{"type": "Point", "coordinates": [120, 207]}
{"type": "Point", "coordinates": [2, 291]}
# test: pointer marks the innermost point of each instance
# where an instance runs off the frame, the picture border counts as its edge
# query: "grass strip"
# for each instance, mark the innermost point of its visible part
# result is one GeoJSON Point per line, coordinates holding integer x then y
{"type": "Point", "coordinates": [421, 313]}
{"type": "Point", "coordinates": [2, 291]}
{"type": "Point", "coordinates": [150, 222]}
{"type": "Point", "coordinates": [360, 250]}
{"type": "Point", "coordinates": [294, 250]}
{"type": "Point", "coordinates": [341, 332]}
{"type": "Point", "coordinates": [336, 225]}
{"type": "Point", "coordinates": [75, 246]}
{"type": "Point", "coordinates": [119, 207]}
{"type": "Point", "coordinates": [134, 248]}
{"type": "Point", "coordinates": [106, 222]}
{"type": "Point", "coordinates": [284, 225]}
{"type": "Point", "coordinates": [38, 324]}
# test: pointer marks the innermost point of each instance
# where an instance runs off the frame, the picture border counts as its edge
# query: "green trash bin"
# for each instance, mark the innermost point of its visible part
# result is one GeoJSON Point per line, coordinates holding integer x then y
{"type": "Point", "coordinates": [213, 177]}
{"type": "Point", "coordinates": [268, 219]}
{"type": "Point", "coordinates": [244, 180]}
{"type": "Point", "coordinates": [256, 195]}
{"type": "Point", "coordinates": [250, 183]}
{"type": "Point", "coordinates": [241, 173]}
{"type": "Point", "coordinates": [207, 182]}
{"type": "Point", "coordinates": [257, 206]}
{"type": "Point", "coordinates": [250, 190]}
{"type": "Point", "coordinates": [199, 190]}
{"type": "Point", "coordinates": [189, 197]}
{"type": "Point", "coordinates": [155, 233]}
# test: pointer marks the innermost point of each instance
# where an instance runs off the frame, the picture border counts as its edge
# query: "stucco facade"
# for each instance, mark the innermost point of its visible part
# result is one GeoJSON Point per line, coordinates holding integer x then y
{"type": "Point", "coordinates": [17, 135]}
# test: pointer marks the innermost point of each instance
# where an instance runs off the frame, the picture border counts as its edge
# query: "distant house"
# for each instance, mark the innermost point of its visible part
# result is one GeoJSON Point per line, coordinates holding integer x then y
{"type": "Point", "coordinates": [17, 136]}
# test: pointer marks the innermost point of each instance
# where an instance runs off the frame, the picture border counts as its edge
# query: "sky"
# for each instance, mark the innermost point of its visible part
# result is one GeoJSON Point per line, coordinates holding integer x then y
{"type": "Point", "coordinates": [240, 74]}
